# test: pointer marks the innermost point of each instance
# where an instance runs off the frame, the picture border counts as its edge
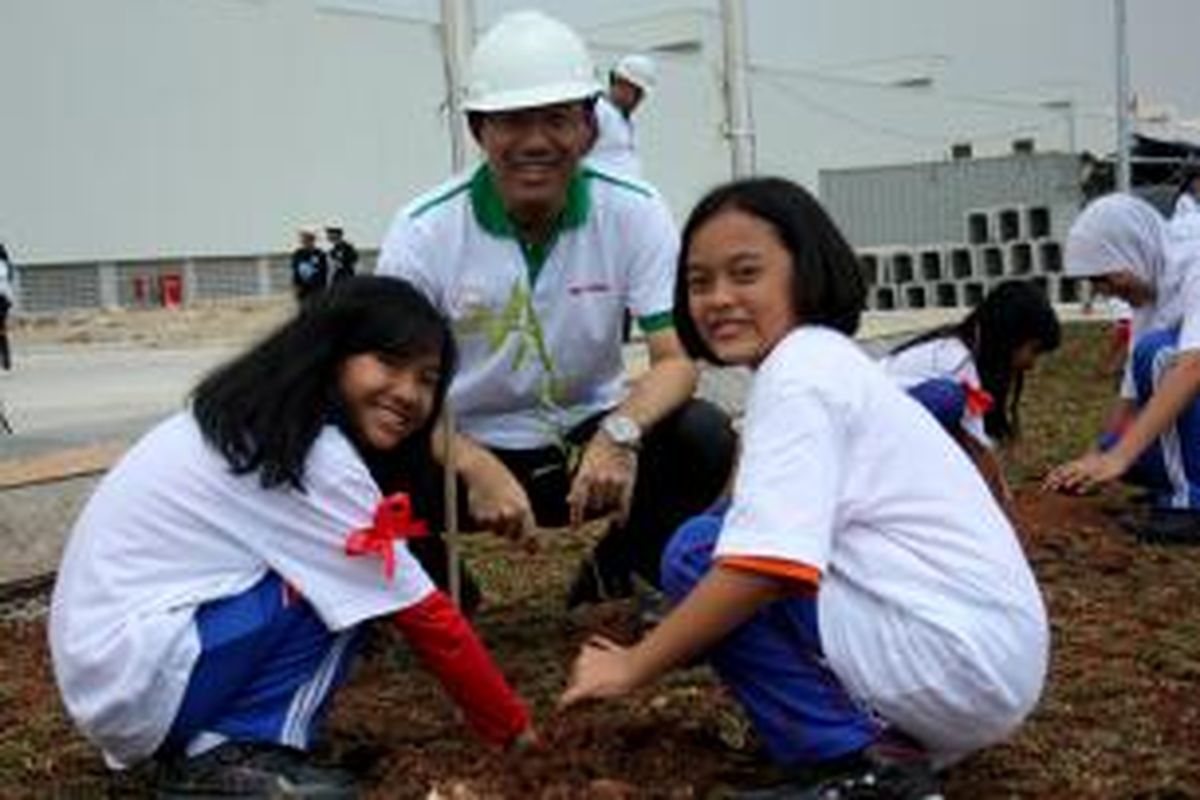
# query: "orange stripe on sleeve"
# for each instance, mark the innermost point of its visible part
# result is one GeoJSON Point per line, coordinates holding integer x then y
{"type": "Point", "coordinates": [808, 576]}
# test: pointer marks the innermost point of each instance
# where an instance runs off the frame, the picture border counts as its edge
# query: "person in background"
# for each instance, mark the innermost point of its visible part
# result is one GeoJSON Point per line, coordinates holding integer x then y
{"type": "Point", "coordinates": [534, 260]}
{"type": "Point", "coordinates": [874, 624]}
{"type": "Point", "coordinates": [7, 294]}
{"type": "Point", "coordinates": [310, 268]}
{"type": "Point", "coordinates": [1123, 246]}
{"type": "Point", "coordinates": [970, 374]}
{"type": "Point", "coordinates": [629, 83]}
{"type": "Point", "coordinates": [343, 256]}
{"type": "Point", "coordinates": [215, 588]}
{"type": "Point", "coordinates": [1184, 223]}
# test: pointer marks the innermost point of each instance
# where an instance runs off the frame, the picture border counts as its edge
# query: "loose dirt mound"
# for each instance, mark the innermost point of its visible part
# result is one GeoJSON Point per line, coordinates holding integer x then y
{"type": "Point", "coordinates": [212, 321]}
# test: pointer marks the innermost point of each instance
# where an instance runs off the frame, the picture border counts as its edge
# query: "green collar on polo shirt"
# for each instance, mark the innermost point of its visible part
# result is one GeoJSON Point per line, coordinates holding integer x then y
{"type": "Point", "coordinates": [489, 211]}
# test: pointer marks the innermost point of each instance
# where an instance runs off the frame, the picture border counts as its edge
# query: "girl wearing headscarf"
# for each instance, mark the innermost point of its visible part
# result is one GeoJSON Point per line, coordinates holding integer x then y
{"type": "Point", "coordinates": [1122, 245]}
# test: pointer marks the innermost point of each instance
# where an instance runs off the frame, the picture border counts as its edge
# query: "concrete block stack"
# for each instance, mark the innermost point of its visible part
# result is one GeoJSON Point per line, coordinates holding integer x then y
{"type": "Point", "coordinates": [999, 243]}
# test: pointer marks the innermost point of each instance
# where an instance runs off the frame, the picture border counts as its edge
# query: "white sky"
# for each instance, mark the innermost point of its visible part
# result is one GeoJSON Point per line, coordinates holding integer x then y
{"type": "Point", "coordinates": [1020, 51]}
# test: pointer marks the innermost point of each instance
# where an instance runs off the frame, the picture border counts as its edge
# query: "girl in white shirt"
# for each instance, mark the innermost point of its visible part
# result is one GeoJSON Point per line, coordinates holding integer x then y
{"type": "Point", "coordinates": [864, 596]}
{"type": "Point", "coordinates": [215, 586]}
{"type": "Point", "coordinates": [1124, 247]}
{"type": "Point", "coordinates": [970, 375]}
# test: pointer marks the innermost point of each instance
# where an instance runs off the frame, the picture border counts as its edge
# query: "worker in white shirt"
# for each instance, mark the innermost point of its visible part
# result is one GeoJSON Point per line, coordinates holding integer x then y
{"type": "Point", "coordinates": [629, 82]}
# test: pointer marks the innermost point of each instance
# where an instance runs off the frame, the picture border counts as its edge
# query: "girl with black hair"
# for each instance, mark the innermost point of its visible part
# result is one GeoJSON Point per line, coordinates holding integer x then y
{"type": "Point", "coordinates": [970, 375]}
{"type": "Point", "coordinates": [863, 595]}
{"type": "Point", "coordinates": [214, 589]}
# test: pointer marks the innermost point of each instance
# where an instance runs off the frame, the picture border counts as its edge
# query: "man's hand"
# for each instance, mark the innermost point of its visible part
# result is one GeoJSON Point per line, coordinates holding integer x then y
{"type": "Point", "coordinates": [497, 501]}
{"type": "Point", "coordinates": [604, 481]}
{"type": "Point", "coordinates": [1085, 473]}
{"type": "Point", "coordinates": [603, 669]}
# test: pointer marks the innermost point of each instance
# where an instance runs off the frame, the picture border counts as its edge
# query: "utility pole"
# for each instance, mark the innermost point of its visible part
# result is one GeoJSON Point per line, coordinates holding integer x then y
{"type": "Point", "coordinates": [458, 33]}
{"type": "Point", "coordinates": [739, 127]}
{"type": "Point", "coordinates": [1124, 171]}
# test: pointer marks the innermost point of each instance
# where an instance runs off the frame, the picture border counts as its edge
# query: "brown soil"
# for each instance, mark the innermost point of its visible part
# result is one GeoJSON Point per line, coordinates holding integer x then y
{"type": "Point", "coordinates": [1119, 718]}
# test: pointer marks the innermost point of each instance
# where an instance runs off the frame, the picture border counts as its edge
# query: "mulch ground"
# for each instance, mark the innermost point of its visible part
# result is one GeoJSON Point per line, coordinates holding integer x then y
{"type": "Point", "coordinates": [1120, 717]}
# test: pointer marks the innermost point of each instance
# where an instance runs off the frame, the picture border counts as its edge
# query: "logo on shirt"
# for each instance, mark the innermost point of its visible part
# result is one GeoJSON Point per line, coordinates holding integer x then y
{"type": "Point", "coordinates": [598, 287]}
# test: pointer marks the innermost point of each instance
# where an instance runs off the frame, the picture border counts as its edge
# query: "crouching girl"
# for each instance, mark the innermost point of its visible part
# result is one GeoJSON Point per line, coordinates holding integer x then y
{"type": "Point", "coordinates": [863, 595]}
{"type": "Point", "coordinates": [215, 586]}
{"type": "Point", "coordinates": [1122, 245]}
{"type": "Point", "coordinates": [970, 375]}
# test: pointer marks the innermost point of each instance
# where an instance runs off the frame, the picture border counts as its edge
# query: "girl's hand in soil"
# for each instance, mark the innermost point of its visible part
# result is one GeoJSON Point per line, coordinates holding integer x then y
{"type": "Point", "coordinates": [603, 669]}
{"type": "Point", "coordinates": [1084, 474]}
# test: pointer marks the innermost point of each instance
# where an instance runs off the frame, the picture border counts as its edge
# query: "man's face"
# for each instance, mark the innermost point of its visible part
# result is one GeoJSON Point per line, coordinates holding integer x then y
{"type": "Point", "coordinates": [533, 152]}
{"type": "Point", "coordinates": [624, 95]}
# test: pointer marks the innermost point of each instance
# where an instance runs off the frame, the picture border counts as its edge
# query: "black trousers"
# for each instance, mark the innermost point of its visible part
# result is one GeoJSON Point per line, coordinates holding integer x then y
{"type": "Point", "coordinates": [684, 464]}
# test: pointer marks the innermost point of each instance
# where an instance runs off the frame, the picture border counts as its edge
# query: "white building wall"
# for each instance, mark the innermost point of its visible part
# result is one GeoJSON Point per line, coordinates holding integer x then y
{"type": "Point", "coordinates": [143, 129]}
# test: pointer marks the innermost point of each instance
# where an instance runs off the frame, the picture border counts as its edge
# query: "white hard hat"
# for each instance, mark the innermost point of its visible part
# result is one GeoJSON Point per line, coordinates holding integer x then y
{"type": "Point", "coordinates": [526, 60]}
{"type": "Point", "coordinates": [639, 70]}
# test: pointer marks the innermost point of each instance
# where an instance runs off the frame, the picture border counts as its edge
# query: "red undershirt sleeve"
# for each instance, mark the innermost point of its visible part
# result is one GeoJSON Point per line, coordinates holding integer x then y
{"type": "Point", "coordinates": [449, 647]}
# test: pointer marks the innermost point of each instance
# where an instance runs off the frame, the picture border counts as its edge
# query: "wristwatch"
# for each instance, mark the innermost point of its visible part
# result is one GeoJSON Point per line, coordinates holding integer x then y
{"type": "Point", "coordinates": [623, 430]}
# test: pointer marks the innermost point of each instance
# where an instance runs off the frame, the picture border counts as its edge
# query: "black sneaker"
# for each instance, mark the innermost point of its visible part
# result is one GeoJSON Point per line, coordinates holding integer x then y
{"type": "Point", "coordinates": [869, 775]}
{"type": "Point", "coordinates": [252, 770]}
{"type": "Point", "coordinates": [1177, 526]}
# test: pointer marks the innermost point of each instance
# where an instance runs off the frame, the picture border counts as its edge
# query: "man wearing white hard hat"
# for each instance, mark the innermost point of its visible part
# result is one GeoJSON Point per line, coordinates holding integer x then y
{"type": "Point", "coordinates": [535, 259]}
{"type": "Point", "coordinates": [629, 82]}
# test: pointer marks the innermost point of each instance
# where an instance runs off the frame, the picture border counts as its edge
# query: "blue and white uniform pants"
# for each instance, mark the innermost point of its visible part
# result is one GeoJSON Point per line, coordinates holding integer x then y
{"type": "Point", "coordinates": [1170, 466]}
{"type": "Point", "coordinates": [267, 668]}
{"type": "Point", "coordinates": [945, 399]}
{"type": "Point", "coordinates": [773, 663]}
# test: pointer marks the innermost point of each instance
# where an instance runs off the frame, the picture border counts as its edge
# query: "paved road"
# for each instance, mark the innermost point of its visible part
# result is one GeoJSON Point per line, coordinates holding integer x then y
{"type": "Point", "coordinates": [62, 396]}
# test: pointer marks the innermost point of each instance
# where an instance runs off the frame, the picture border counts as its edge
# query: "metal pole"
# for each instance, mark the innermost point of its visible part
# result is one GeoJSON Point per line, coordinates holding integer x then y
{"type": "Point", "coordinates": [457, 34]}
{"type": "Point", "coordinates": [738, 124]}
{"type": "Point", "coordinates": [1124, 172]}
{"type": "Point", "coordinates": [458, 27]}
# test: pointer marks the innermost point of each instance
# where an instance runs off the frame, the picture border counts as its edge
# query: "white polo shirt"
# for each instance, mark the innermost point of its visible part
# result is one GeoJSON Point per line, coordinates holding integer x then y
{"type": "Point", "coordinates": [538, 329]}
{"type": "Point", "coordinates": [944, 358]}
{"type": "Point", "coordinates": [927, 608]}
{"type": "Point", "coordinates": [170, 528]}
{"type": "Point", "coordinates": [615, 150]}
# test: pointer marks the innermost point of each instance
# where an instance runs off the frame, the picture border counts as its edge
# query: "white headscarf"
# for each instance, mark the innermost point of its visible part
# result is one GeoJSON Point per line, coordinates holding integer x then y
{"type": "Point", "coordinates": [1120, 232]}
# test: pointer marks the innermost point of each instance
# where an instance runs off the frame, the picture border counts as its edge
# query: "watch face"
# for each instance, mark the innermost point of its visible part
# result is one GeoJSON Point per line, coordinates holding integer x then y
{"type": "Point", "coordinates": [622, 430]}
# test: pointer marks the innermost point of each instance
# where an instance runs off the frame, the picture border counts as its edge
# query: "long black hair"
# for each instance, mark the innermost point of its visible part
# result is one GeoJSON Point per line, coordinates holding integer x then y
{"type": "Point", "coordinates": [1012, 314]}
{"type": "Point", "coordinates": [827, 289]}
{"type": "Point", "coordinates": [264, 409]}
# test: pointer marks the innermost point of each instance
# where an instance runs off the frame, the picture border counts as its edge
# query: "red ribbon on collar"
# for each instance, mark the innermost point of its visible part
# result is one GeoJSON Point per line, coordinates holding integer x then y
{"type": "Point", "coordinates": [979, 402]}
{"type": "Point", "coordinates": [393, 520]}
